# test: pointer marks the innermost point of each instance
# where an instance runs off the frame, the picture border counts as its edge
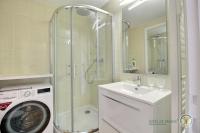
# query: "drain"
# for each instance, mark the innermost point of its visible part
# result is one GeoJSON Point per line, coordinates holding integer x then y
{"type": "Point", "coordinates": [87, 112]}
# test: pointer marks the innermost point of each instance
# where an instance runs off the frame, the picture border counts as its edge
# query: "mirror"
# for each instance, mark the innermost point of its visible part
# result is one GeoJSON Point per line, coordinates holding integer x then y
{"type": "Point", "coordinates": [144, 35]}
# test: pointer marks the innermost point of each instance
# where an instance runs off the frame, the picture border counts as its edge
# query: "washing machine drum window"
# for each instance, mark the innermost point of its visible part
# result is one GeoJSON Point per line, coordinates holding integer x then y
{"type": "Point", "coordinates": [27, 117]}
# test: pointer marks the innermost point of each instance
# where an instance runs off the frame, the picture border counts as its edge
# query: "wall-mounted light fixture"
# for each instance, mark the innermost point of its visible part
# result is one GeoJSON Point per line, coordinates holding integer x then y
{"type": "Point", "coordinates": [125, 2]}
{"type": "Point", "coordinates": [136, 4]}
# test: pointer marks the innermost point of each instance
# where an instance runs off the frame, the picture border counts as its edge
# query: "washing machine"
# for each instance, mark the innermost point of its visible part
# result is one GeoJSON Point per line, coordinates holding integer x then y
{"type": "Point", "coordinates": [26, 109]}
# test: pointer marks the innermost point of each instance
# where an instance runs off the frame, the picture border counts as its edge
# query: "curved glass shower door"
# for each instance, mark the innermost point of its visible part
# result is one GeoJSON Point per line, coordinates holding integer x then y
{"type": "Point", "coordinates": [82, 45]}
{"type": "Point", "coordinates": [83, 40]}
{"type": "Point", "coordinates": [92, 57]}
{"type": "Point", "coordinates": [61, 48]}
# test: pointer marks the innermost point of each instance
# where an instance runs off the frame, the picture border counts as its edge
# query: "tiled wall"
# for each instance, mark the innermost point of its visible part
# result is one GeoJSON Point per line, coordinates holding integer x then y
{"type": "Point", "coordinates": [24, 37]}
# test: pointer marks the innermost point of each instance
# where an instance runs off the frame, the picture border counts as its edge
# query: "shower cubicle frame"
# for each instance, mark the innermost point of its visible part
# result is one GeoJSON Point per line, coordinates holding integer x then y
{"type": "Point", "coordinates": [53, 52]}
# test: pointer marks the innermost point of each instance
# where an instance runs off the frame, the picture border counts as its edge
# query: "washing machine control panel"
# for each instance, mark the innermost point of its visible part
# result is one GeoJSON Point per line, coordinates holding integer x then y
{"type": "Point", "coordinates": [27, 93]}
{"type": "Point", "coordinates": [6, 99]}
{"type": "Point", "coordinates": [8, 95]}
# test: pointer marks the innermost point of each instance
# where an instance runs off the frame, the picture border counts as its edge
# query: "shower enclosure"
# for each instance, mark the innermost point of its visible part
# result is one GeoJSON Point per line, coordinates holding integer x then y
{"type": "Point", "coordinates": [156, 47]}
{"type": "Point", "coordinates": [81, 38]}
{"type": "Point", "coordinates": [157, 54]}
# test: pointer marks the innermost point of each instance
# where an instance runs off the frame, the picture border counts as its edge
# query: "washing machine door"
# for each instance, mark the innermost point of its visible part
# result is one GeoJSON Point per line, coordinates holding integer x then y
{"type": "Point", "coordinates": [26, 117]}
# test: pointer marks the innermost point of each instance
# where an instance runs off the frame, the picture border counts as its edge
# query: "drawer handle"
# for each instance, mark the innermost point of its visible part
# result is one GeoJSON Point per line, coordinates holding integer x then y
{"type": "Point", "coordinates": [111, 125]}
{"type": "Point", "coordinates": [135, 108]}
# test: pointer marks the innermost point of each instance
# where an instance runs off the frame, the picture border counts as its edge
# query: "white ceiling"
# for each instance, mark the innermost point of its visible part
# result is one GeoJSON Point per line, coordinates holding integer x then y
{"type": "Point", "coordinates": [96, 3]}
{"type": "Point", "coordinates": [147, 11]}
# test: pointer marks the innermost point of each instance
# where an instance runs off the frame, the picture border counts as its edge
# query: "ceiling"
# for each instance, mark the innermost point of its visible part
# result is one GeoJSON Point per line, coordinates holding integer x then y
{"type": "Point", "coordinates": [147, 11]}
{"type": "Point", "coordinates": [96, 3]}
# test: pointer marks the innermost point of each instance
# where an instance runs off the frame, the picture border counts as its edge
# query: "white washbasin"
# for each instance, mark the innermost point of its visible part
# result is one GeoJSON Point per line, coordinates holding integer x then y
{"type": "Point", "coordinates": [144, 93]}
{"type": "Point", "coordinates": [132, 88]}
{"type": "Point", "coordinates": [125, 107]}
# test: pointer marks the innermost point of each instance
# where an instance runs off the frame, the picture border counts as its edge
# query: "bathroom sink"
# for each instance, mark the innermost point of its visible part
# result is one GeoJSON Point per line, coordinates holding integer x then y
{"type": "Point", "coordinates": [132, 88]}
{"type": "Point", "coordinates": [125, 107]}
{"type": "Point", "coordinates": [146, 94]}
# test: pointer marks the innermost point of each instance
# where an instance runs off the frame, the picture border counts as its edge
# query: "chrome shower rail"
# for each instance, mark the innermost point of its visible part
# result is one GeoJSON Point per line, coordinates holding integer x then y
{"type": "Point", "coordinates": [81, 6]}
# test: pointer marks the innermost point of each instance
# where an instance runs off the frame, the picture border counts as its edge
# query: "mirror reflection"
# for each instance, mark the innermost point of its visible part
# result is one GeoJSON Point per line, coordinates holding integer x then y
{"type": "Point", "coordinates": [144, 32]}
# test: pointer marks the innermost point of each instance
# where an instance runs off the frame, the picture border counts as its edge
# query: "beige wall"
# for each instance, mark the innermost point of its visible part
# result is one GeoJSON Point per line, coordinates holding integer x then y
{"type": "Point", "coordinates": [137, 42]}
{"type": "Point", "coordinates": [24, 47]}
{"type": "Point", "coordinates": [24, 37]}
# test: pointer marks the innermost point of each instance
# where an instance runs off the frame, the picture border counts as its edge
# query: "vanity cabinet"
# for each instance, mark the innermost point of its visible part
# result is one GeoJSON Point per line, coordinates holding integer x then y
{"type": "Point", "coordinates": [121, 114]}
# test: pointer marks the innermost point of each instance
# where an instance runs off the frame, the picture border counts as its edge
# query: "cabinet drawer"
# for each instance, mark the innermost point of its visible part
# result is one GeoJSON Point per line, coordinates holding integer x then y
{"type": "Point", "coordinates": [128, 116]}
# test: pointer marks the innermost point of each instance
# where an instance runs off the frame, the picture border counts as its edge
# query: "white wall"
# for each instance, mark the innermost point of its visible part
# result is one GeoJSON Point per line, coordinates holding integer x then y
{"type": "Point", "coordinates": [173, 62]}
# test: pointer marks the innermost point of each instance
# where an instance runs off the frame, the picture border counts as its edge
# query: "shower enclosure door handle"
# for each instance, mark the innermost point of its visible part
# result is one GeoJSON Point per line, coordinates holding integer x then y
{"type": "Point", "coordinates": [74, 71]}
{"type": "Point", "coordinates": [68, 70]}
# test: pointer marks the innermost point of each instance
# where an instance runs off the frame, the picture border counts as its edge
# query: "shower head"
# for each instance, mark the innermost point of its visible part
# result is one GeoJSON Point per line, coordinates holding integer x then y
{"type": "Point", "coordinates": [83, 11]}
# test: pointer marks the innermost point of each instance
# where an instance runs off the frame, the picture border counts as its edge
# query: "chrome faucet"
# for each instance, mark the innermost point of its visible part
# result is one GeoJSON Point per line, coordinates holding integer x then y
{"type": "Point", "coordinates": [139, 79]}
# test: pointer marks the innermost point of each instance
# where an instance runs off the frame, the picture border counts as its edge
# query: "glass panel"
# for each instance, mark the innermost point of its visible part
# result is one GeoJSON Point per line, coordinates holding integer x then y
{"type": "Point", "coordinates": [104, 48]}
{"type": "Point", "coordinates": [62, 69]}
{"type": "Point", "coordinates": [82, 49]}
{"type": "Point", "coordinates": [92, 64]}
{"type": "Point", "coordinates": [125, 27]}
{"type": "Point", "coordinates": [84, 61]}
{"type": "Point", "coordinates": [157, 50]}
